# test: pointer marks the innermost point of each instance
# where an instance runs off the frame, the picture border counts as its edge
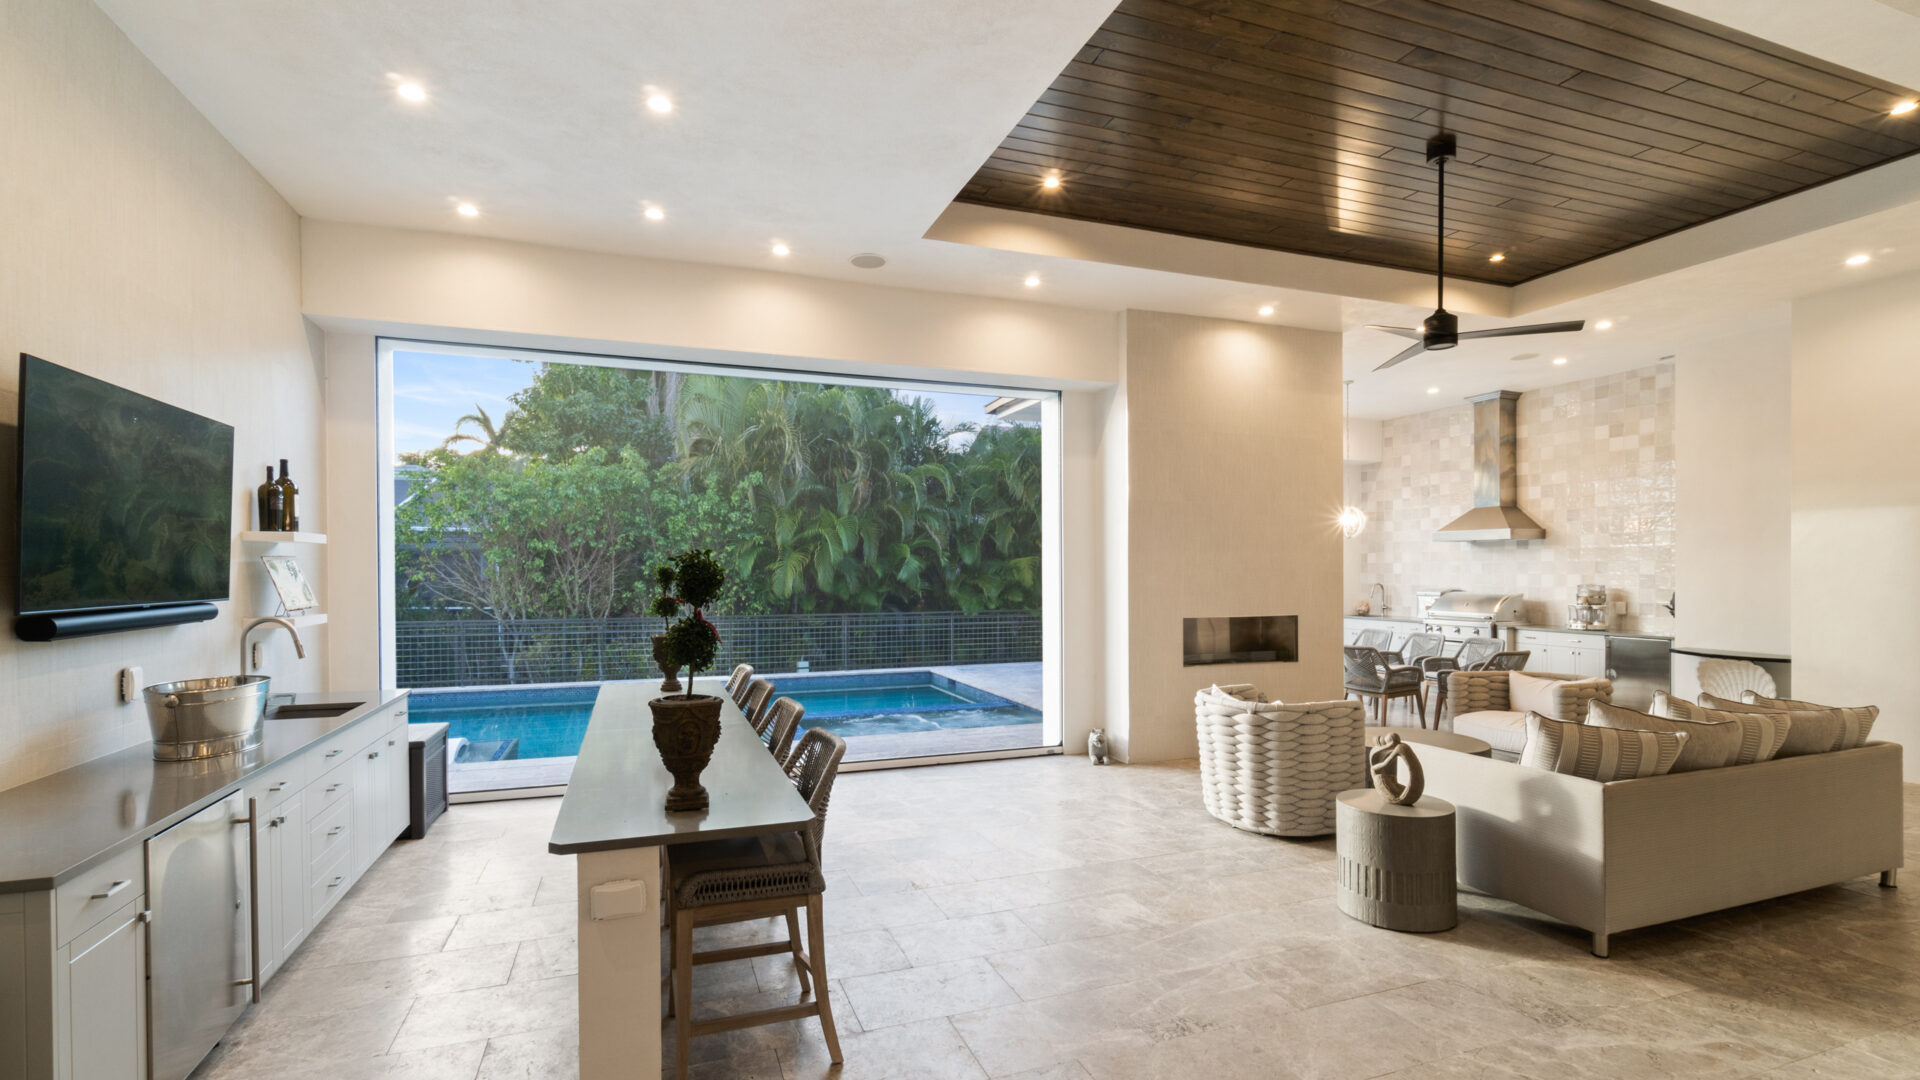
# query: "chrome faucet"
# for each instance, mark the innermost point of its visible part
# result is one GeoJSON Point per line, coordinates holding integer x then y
{"type": "Point", "coordinates": [1382, 590]}
{"type": "Point", "coordinates": [298, 649]}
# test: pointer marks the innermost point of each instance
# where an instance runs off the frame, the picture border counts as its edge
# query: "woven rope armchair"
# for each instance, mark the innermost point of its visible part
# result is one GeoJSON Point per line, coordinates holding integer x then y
{"type": "Point", "coordinates": [1272, 768]}
{"type": "Point", "coordinates": [1486, 691]}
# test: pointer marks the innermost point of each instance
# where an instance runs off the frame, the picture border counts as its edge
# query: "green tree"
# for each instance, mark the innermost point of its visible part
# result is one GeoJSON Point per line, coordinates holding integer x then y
{"type": "Point", "coordinates": [571, 408]}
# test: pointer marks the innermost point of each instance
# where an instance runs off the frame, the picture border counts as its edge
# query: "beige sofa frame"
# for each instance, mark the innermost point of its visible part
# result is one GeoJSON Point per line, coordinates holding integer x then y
{"type": "Point", "coordinates": [1632, 853]}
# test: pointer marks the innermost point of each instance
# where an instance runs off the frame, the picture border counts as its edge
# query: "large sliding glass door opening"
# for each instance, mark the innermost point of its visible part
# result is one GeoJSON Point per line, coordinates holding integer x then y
{"type": "Point", "coordinates": [890, 548]}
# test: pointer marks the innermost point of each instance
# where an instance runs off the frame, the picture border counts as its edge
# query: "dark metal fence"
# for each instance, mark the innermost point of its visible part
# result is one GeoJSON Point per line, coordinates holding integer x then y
{"type": "Point", "coordinates": [477, 653]}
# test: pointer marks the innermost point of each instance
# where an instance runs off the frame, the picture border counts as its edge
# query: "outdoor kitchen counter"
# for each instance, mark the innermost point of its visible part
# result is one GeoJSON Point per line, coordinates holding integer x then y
{"type": "Point", "coordinates": [60, 825]}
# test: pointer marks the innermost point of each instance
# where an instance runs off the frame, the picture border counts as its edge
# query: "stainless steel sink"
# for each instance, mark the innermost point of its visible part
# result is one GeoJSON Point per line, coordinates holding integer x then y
{"type": "Point", "coordinates": [291, 711]}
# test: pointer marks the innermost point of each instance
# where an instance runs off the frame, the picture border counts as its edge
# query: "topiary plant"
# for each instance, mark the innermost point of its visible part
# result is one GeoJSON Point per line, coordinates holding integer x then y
{"type": "Point", "coordinates": [692, 579]}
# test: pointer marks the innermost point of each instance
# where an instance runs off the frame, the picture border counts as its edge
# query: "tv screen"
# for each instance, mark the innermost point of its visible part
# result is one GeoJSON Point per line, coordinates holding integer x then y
{"type": "Point", "coordinates": [125, 502]}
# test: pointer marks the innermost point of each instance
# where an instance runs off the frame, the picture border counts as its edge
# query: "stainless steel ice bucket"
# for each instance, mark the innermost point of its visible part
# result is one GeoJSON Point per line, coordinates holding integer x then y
{"type": "Point", "coordinates": [204, 718]}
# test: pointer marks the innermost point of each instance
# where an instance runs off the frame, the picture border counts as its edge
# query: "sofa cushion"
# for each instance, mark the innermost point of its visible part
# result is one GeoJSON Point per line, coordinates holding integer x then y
{"type": "Point", "coordinates": [1763, 734]}
{"type": "Point", "coordinates": [1711, 744]}
{"type": "Point", "coordinates": [1556, 697]}
{"type": "Point", "coordinates": [1598, 753]}
{"type": "Point", "coordinates": [1813, 731]}
{"type": "Point", "coordinates": [1506, 732]}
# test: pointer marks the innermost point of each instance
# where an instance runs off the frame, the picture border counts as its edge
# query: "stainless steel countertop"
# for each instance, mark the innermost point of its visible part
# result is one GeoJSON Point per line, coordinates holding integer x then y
{"type": "Point", "coordinates": [59, 825]}
{"type": "Point", "coordinates": [616, 797]}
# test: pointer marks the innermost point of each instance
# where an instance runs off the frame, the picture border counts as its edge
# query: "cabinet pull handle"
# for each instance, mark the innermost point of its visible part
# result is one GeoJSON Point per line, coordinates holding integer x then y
{"type": "Point", "coordinates": [277, 786]}
{"type": "Point", "coordinates": [373, 755]}
{"type": "Point", "coordinates": [111, 889]}
{"type": "Point", "coordinates": [333, 753]}
{"type": "Point", "coordinates": [335, 831]}
{"type": "Point", "coordinates": [390, 742]}
{"type": "Point", "coordinates": [277, 822]}
{"type": "Point", "coordinates": [145, 917]}
{"type": "Point", "coordinates": [331, 788]}
{"type": "Point", "coordinates": [334, 883]}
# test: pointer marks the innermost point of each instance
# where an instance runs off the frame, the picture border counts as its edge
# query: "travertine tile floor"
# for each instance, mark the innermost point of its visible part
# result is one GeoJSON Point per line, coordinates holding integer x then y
{"type": "Point", "coordinates": [1043, 918]}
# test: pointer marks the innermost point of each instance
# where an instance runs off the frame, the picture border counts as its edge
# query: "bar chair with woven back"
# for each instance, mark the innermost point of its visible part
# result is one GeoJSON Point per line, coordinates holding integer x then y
{"type": "Point", "coordinates": [782, 719]}
{"type": "Point", "coordinates": [759, 701]}
{"type": "Point", "coordinates": [737, 683]}
{"type": "Point", "coordinates": [727, 881]}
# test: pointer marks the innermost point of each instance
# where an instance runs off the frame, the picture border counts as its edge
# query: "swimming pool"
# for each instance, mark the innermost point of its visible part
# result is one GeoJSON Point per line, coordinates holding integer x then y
{"type": "Point", "coordinates": [508, 723]}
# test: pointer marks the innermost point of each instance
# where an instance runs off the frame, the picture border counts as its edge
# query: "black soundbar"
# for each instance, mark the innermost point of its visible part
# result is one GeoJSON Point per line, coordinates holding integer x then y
{"type": "Point", "coordinates": [83, 623]}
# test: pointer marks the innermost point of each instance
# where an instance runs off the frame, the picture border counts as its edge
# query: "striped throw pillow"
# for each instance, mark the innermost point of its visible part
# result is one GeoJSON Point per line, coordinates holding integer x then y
{"type": "Point", "coordinates": [1763, 734]}
{"type": "Point", "coordinates": [1711, 744]}
{"type": "Point", "coordinates": [1816, 730]}
{"type": "Point", "coordinates": [1598, 753]}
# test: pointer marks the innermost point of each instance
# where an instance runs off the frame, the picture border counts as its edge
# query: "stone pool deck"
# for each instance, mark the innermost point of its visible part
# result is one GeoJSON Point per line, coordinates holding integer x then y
{"type": "Point", "coordinates": [1019, 683]}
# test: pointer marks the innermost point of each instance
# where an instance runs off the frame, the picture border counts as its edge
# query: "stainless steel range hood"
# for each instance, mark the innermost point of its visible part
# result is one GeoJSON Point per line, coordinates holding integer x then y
{"type": "Point", "coordinates": [1496, 481]}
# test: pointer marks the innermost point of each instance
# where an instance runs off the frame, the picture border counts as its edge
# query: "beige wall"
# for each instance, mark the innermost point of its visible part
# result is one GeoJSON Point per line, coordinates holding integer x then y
{"type": "Point", "coordinates": [1732, 503]}
{"type": "Point", "coordinates": [1233, 462]}
{"type": "Point", "coordinates": [140, 248]}
{"type": "Point", "coordinates": [1856, 504]}
{"type": "Point", "coordinates": [1596, 468]}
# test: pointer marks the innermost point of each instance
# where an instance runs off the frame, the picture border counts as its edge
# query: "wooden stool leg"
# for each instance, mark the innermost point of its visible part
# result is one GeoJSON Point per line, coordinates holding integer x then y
{"type": "Point", "coordinates": [817, 950]}
{"type": "Point", "coordinates": [682, 992]}
{"type": "Point", "coordinates": [799, 957]}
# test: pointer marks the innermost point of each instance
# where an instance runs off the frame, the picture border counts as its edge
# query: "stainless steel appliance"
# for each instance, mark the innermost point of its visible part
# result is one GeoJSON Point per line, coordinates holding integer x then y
{"type": "Point", "coordinates": [204, 718]}
{"type": "Point", "coordinates": [1463, 616]}
{"type": "Point", "coordinates": [1496, 513]}
{"type": "Point", "coordinates": [1426, 597]}
{"type": "Point", "coordinates": [1638, 666]}
{"type": "Point", "coordinates": [200, 946]}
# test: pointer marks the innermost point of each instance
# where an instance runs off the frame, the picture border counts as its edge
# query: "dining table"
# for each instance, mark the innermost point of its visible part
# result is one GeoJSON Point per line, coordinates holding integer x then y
{"type": "Point", "coordinates": [613, 820]}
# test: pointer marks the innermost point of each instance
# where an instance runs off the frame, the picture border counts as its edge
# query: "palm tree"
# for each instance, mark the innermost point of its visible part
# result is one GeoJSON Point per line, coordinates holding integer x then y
{"type": "Point", "coordinates": [491, 438]}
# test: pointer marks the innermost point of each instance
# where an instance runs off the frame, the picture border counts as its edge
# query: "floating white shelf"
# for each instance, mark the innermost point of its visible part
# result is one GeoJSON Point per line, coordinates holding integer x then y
{"type": "Point", "coordinates": [256, 537]}
{"type": "Point", "coordinates": [317, 618]}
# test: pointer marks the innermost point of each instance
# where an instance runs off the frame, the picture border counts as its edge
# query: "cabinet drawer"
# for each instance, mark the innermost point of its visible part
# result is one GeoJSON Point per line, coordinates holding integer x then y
{"type": "Point", "coordinates": [330, 788]}
{"type": "Point", "coordinates": [1534, 639]}
{"type": "Point", "coordinates": [330, 833]}
{"type": "Point", "coordinates": [278, 784]}
{"type": "Point", "coordinates": [81, 903]}
{"type": "Point", "coordinates": [330, 883]}
{"type": "Point", "coordinates": [336, 749]}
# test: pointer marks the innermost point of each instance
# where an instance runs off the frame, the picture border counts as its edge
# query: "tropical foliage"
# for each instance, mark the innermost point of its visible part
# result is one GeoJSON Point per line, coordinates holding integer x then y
{"type": "Point", "coordinates": [816, 498]}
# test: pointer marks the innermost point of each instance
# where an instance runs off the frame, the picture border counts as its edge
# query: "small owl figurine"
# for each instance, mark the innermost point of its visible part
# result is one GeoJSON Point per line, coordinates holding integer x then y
{"type": "Point", "coordinates": [1097, 745]}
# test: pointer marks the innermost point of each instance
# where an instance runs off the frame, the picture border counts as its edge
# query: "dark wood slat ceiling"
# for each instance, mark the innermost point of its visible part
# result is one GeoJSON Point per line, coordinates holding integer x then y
{"type": "Point", "coordinates": [1585, 126]}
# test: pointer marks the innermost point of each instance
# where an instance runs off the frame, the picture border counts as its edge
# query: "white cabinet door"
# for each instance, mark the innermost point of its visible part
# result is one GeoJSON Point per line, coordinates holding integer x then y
{"type": "Point", "coordinates": [394, 758]}
{"type": "Point", "coordinates": [106, 982]}
{"type": "Point", "coordinates": [369, 806]}
{"type": "Point", "coordinates": [285, 862]}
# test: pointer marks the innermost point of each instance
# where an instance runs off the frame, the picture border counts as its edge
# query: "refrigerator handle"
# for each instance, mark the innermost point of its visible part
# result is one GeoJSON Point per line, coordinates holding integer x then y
{"type": "Point", "coordinates": [253, 898]}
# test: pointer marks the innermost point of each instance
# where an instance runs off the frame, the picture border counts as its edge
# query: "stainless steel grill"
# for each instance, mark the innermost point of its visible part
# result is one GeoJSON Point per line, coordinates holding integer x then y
{"type": "Point", "coordinates": [1462, 616]}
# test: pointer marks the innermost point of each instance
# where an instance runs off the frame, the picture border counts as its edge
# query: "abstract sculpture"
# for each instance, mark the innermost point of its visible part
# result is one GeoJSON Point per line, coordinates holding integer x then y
{"type": "Point", "coordinates": [1384, 763]}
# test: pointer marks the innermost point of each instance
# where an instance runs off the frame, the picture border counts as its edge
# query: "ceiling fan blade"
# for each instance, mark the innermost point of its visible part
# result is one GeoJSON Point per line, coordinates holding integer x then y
{"type": "Point", "coordinates": [1396, 331]}
{"type": "Point", "coordinates": [1522, 331]}
{"type": "Point", "coordinates": [1407, 353]}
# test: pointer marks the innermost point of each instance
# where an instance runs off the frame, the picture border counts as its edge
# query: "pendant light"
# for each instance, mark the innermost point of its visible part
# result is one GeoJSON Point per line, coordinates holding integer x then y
{"type": "Point", "coordinates": [1352, 519]}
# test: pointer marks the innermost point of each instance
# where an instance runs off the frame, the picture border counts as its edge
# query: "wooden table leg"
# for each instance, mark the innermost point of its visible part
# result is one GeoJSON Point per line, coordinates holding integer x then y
{"type": "Point", "coordinates": [620, 965]}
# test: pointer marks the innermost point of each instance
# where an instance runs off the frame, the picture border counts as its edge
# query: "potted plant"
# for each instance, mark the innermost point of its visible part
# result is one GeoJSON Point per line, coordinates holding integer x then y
{"type": "Point", "coordinates": [687, 725]}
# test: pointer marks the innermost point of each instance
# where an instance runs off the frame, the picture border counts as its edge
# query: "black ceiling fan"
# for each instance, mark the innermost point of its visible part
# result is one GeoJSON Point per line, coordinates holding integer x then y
{"type": "Point", "coordinates": [1441, 330]}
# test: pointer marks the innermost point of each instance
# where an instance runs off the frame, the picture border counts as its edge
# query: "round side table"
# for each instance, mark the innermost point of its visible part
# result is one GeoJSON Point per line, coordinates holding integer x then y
{"type": "Point", "coordinates": [1396, 862]}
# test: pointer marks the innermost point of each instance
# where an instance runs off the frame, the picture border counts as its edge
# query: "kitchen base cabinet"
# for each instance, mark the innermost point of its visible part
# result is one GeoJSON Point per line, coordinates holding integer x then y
{"type": "Point", "coordinates": [105, 975]}
{"type": "Point", "coordinates": [74, 992]}
{"type": "Point", "coordinates": [1565, 652]}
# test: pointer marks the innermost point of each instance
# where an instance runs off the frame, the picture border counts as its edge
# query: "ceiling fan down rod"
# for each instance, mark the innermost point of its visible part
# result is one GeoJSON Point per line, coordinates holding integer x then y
{"type": "Point", "coordinates": [1439, 149]}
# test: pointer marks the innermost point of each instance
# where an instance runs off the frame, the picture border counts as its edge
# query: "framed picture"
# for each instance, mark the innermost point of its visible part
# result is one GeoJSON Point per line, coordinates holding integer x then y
{"type": "Point", "coordinates": [296, 594]}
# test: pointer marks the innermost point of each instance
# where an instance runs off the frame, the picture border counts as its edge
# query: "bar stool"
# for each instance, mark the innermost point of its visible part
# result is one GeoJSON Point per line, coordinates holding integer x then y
{"type": "Point", "coordinates": [725, 881]}
{"type": "Point", "coordinates": [737, 683]}
{"type": "Point", "coordinates": [782, 718]}
{"type": "Point", "coordinates": [759, 696]}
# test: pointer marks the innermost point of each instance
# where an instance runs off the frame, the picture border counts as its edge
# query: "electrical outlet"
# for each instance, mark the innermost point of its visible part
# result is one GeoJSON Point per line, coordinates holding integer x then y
{"type": "Point", "coordinates": [131, 680]}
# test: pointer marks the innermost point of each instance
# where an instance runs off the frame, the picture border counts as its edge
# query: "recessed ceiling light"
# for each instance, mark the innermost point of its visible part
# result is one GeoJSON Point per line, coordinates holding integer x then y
{"type": "Point", "coordinates": [1558, 360]}
{"type": "Point", "coordinates": [411, 91]}
{"type": "Point", "coordinates": [1050, 182]}
{"type": "Point", "coordinates": [1032, 280]}
{"type": "Point", "coordinates": [467, 209]}
{"type": "Point", "coordinates": [1603, 324]}
{"type": "Point", "coordinates": [1904, 108]}
{"type": "Point", "coordinates": [1266, 309]}
{"type": "Point", "coordinates": [1433, 389]}
{"type": "Point", "coordinates": [660, 103]}
{"type": "Point", "coordinates": [1859, 260]}
{"type": "Point", "coordinates": [781, 249]}
{"type": "Point", "coordinates": [1498, 256]}
{"type": "Point", "coordinates": [654, 213]}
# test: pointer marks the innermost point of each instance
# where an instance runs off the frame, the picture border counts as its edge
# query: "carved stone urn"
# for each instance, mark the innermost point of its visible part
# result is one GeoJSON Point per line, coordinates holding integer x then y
{"type": "Point", "coordinates": [685, 729]}
{"type": "Point", "coordinates": [671, 684]}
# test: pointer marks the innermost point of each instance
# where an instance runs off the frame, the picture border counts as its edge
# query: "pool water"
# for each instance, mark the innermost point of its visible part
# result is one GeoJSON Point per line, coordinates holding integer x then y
{"type": "Point", "coordinates": [548, 722]}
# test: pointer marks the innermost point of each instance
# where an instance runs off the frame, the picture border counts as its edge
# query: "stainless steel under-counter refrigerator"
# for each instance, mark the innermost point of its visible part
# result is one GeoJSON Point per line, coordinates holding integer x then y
{"type": "Point", "coordinates": [200, 943]}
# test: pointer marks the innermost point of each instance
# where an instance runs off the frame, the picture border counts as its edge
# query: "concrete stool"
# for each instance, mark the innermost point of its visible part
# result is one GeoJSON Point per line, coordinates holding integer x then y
{"type": "Point", "coordinates": [1396, 862]}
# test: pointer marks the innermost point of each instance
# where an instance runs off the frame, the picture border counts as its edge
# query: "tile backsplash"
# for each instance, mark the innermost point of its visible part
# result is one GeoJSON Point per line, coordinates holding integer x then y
{"type": "Point", "coordinates": [1596, 469]}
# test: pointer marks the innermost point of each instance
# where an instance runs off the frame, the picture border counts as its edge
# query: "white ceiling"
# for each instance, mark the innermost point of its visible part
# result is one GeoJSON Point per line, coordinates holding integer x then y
{"type": "Point", "coordinates": [844, 126]}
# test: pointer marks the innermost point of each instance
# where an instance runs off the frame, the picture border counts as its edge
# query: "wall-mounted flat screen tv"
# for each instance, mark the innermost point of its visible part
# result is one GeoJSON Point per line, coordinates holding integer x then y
{"type": "Point", "coordinates": [125, 501]}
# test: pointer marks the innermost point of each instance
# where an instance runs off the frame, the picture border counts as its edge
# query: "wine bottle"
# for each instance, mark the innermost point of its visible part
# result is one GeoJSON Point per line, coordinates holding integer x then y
{"type": "Point", "coordinates": [268, 518]}
{"type": "Point", "coordinates": [289, 500]}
